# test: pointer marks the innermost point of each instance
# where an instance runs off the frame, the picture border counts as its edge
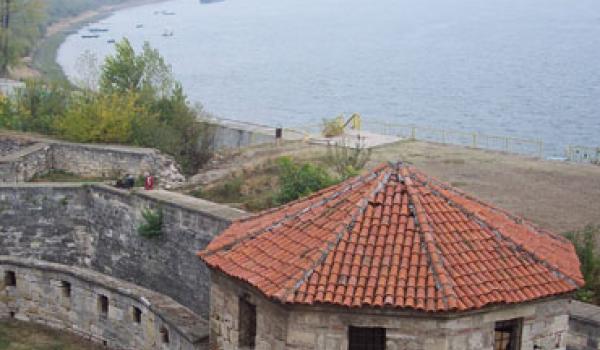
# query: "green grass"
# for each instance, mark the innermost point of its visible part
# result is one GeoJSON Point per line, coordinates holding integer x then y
{"type": "Point", "coordinates": [15, 335]}
{"type": "Point", "coordinates": [63, 176]}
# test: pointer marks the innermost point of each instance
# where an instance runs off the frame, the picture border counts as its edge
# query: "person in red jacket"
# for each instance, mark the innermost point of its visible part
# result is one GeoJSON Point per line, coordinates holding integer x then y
{"type": "Point", "coordinates": [149, 182]}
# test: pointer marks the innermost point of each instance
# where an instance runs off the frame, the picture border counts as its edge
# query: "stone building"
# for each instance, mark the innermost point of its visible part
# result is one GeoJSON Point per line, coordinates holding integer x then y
{"type": "Point", "coordinates": [389, 260]}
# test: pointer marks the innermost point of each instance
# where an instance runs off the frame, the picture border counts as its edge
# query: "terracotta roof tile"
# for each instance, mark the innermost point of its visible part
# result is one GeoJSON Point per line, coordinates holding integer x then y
{"type": "Point", "coordinates": [395, 238]}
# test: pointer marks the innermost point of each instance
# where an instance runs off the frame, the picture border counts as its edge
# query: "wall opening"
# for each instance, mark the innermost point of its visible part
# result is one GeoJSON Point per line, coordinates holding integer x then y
{"type": "Point", "coordinates": [11, 314]}
{"type": "Point", "coordinates": [164, 335]}
{"type": "Point", "coordinates": [247, 322]}
{"type": "Point", "coordinates": [136, 314]}
{"type": "Point", "coordinates": [507, 335]}
{"type": "Point", "coordinates": [366, 338]}
{"type": "Point", "coordinates": [65, 288]}
{"type": "Point", "coordinates": [103, 305]}
{"type": "Point", "coordinates": [10, 279]}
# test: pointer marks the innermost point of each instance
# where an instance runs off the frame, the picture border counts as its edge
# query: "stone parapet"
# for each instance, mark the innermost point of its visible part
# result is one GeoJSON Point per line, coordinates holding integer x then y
{"type": "Point", "coordinates": [95, 226]}
{"type": "Point", "coordinates": [104, 309]}
{"type": "Point", "coordinates": [21, 163]}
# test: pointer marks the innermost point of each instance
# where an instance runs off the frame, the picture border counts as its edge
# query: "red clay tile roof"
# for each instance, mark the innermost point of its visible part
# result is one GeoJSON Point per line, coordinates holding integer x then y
{"type": "Point", "coordinates": [395, 238]}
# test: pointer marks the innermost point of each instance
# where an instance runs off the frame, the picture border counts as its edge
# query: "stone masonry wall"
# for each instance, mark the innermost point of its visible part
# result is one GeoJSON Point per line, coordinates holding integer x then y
{"type": "Point", "coordinates": [545, 324]}
{"type": "Point", "coordinates": [25, 163]}
{"type": "Point", "coordinates": [584, 326]}
{"type": "Point", "coordinates": [95, 226]}
{"type": "Point", "coordinates": [271, 319]}
{"type": "Point", "coordinates": [87, 160]}
{"type": "Point", "coordinates": [67, 298]}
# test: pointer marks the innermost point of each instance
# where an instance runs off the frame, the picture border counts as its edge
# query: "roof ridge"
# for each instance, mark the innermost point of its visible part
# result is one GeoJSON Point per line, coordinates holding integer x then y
{"type": "Point", "coordinates": [442, 277]}
{"type": "Point", "coordinates": [495, 230]}
{"type": "Point", "coordinates": [358, 182]}
{"type": "Point", "coordinates": [331, 245]}
{"type": "Point", "coordinates": [515, 218]}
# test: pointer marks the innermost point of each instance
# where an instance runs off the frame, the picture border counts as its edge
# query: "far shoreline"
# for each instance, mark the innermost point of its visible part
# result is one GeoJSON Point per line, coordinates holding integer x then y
{"type": "Point", "coordinates": [44, 64]}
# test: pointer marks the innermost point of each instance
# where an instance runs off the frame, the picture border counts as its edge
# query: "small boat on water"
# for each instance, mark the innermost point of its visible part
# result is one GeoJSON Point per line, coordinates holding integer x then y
{"type": "Point", "coordinates": [90, 36]}
{"type": "Point", "coordinates": [168, 13]}
{"type": "Point", "coordinates": [110, 41]}
{"type": "Point", "coordinates": [139, 26]}
{"type": "Point", "coordinates": [167, 32]}
{"type": "Point", "coordinates": [98, 30]}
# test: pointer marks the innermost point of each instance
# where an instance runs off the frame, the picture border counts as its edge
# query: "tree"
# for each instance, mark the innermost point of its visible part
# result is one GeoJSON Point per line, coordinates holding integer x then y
{"type": "Point", "coordinates": [88, 70]}
{"type": "Point", "coordinates": [19, 30]}
{"type": "Point", "coordinates": [122, 72]}
{"type": "Point", "coordinates": [146, 73]}
{"type": "Point", "coordinates": [39, 104]}
{"type": "Point", "coordinates": [585, 242]}
{"type": "Point", "coordinates": [101, 118]}
{"type": "Point", "coordinates": [346, 159]}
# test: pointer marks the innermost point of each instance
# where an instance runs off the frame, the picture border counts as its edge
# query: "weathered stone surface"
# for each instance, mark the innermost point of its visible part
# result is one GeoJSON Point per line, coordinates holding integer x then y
{"type": "Point", "coordinates": [584, 326]}
{"type": "Point", "coordinates": [95, 226]}
{"type": "Point", "coordinates": [20, 164]}
{"type": "Point", "coordinates": [326, 328]}
{"type": "Point", "coordinates": [40, 296]}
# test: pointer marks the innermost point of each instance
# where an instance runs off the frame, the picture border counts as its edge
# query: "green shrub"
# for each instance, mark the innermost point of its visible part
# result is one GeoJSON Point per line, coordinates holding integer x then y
{"type": "Point", "coordinates": [299, 180]}
{"type": "Point", "coordinates": [230, 191]}
{"type": "Point", "coordinates": [152, 227]}
{"type": "Point", "coordinates": [585, 242]}
{"type": "Point", "coordinates": [347, 161]}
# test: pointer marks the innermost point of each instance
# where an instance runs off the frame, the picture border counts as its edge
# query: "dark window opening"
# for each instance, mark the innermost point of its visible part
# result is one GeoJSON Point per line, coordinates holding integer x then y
{"type": "Point", "coordinates": [507, 335]}
{"type": "Point", "coordinates": [105, 343]}
{"type": "Point", "coordinates": [247, 318]}
{"type": "Point", "coordinates": [136, 314]}
{"type": "Point", "coordinates": [10, 279]}
{"type": "Point", "coordinates": [12, 314]}
{"type": "Point", "coordinates": [164, 334]}
{"type": "Point", "coordinates": [103, 305]}
{"type": "Point", "coordinates": [366, 338]}
{"type": "Point", "coordinates": [66, 289]}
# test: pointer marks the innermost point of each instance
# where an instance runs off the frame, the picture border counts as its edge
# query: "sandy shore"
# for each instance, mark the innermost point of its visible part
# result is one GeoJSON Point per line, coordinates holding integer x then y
{"type": "Point", "coordinates": [68, 24]}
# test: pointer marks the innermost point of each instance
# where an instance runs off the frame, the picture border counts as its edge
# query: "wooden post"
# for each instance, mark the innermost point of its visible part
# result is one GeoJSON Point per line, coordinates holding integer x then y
{"type": "Point", "coordinates": [474, 140]}
{"type": "Point", "coordinates": [413, 133]}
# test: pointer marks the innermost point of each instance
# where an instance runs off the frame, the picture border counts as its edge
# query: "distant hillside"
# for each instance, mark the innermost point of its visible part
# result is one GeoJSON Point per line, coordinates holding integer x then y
{"type": "Point", "coordinates": [57, 9]}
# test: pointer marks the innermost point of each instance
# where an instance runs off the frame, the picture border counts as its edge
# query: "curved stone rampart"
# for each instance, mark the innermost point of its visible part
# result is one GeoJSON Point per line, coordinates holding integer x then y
{"type": "Point", "coordinates": [95, 226]}
{"type": "Point", "coordinates": [104, 309]}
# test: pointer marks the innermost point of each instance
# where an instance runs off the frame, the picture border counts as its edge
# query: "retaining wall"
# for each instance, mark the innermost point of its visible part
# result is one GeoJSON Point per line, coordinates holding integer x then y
{"type": "Point", "coordinates": [88, 160]}
{"type": "Point", "coordinates": [95, 226]}
{"type": "Point", "coordinates": [68, 298]}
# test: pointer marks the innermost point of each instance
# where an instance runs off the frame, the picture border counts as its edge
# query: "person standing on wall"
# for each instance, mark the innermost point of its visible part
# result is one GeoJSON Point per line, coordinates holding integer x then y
{"type": "Point", "coordinates": [148, 182]}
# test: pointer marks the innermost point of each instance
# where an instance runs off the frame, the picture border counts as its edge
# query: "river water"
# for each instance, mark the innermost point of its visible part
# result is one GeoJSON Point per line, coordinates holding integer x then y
{"type": "Point", "coordinates": [528, 68]}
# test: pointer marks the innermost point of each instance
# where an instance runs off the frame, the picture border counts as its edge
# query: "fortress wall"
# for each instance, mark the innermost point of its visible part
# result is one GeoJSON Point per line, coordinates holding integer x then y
{"type": "Point", "coordinates": [95, 226]}
{"type": "Point", "coordinates": [69, 298]}
{"type": "Point", "coordinates": [20, 164]}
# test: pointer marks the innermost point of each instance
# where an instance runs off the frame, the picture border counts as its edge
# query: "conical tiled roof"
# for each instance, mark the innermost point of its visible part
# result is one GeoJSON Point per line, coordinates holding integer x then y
{"type": "Point", "coordinates": [395, 238]}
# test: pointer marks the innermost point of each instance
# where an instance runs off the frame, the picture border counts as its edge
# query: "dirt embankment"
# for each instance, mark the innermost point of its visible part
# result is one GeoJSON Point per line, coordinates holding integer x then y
{"type": "Point", "coordinates": [555, 195]}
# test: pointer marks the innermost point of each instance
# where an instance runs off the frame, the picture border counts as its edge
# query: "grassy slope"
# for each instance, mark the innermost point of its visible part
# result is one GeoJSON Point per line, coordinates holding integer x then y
{"type": "Point", "coordinates": [555, 195]}
{"type": "Point", "coordinates": [23, 336]}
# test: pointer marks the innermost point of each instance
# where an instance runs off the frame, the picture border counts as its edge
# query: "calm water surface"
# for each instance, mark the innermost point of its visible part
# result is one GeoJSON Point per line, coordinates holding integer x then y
{"type": "Point", "coordinates": [526, 68]}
